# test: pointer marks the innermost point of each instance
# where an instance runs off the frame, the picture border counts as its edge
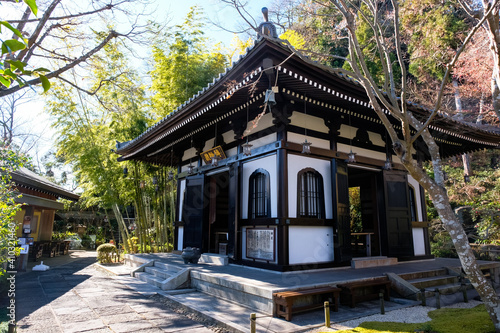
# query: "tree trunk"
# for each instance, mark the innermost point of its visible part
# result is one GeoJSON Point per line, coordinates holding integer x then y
{"type": "Point", "coordinates": [122, 227]}
{"type": "Point", "coordinates": [467, 258]}
{"type": "Point", "coordinates": [467, 167]}
{"type": "Point", "coordinates": [479, 119]}
{"type": "Point", "coordinates": [492, 29]}
{"type": "Point", "coordinates": [460, 240]}
{"type": "Point", "coordinates": [110, 226]}
{"type": "Point", "coordinates": [460, 116]}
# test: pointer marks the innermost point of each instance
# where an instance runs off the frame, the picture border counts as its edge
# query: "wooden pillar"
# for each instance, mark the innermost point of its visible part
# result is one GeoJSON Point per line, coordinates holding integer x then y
{"type": "Point", "coordinates": [281, 121]}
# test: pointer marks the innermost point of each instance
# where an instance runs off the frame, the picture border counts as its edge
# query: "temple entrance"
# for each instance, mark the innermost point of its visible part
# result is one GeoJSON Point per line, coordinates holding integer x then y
{"type": "Point", "coordinates": [218, 213]}
{"type": "Point", "coordinates": [364, 212]}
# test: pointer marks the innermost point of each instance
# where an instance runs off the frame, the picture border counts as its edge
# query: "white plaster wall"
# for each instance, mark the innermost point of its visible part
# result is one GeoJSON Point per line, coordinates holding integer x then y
{"type": "Point", "coordinates": [181, 189]}
{"type": "Point", "coordinates": [299, 162]}
{"type": "Point", "coordinates": [418, 233]}
{"type": "Point", "coordinates": [363, 152]}
{"type": "Point", "coordinates": [269, 163]}
{"type": "Point", "coordinates": [180, 241]}
{"type": "Point", "coordinates": [231, 152]}
{"type": "Point", "coordinates": [307, 121]}
{"type": "Point", "coordinates": [184, 168]}
{"type": "Point", "coordinates": [416, 187]}
{"type": "Point", "coordinates": [228, 138]}
{"type": "Point", "coordinates": [265, 140]}
{"type": "Point", "coordinates": [189, 153]}
{"type": "Point", "coordinates": [418, 241]}
{"type": "Point", "coordinates": [310, 244]}
{"type": "Point", "coordinates": [244, 245]}
{"type": "Point", "coordinates": [376, 139]}
{"type": "Point", "coordinates": [265, 122]}
{"type": "Point", "coordinates": [299, 138]}
{"type": "Point", "coordinates": [349, 132]}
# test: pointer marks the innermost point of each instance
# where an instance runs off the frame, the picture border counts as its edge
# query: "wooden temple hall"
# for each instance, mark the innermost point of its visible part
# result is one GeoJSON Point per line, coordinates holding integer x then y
{"type": "Point", "coordinates": [268, 153]}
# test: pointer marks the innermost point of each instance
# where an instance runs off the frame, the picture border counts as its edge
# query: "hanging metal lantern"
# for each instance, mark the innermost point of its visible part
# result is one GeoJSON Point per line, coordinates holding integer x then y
{"type": "Point", "coordinates": [306, 147]}
{"type": "Point", "coordinates": [190, 169]}
{"type": "Point", "coordinates": [388, 165]}
{"type": "Point", "coordinates": [215, 160]}
{"type": "Point", "coordinates": [170, 175]}
{"type": "Point", "coordinates": [269, 98]}
{"type": "Point", "coordinates": [351, 157]}
{"type": "Point", "coordinates": [247, 149]}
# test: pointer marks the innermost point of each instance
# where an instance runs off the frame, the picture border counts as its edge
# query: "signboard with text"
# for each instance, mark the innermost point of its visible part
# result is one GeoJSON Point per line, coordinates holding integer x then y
{"type": "Point", "coordinates": [209, 154]}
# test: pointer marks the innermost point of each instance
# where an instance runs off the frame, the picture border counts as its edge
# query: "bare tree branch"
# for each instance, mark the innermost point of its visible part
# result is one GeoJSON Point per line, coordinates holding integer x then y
{"type": "Point", "coordinates": [112, 34]}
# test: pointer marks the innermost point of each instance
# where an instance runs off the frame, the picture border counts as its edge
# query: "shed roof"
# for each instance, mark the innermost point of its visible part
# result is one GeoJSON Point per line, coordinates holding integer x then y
{"type": "Point", "coordinates": [28, 179]}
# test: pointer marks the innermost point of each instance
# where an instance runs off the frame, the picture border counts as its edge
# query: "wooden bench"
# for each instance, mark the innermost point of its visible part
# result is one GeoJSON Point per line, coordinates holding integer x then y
{"type": "Point", "coordinates": [36, 251]}
{"type": "Point", "coordinates": [283, 301]}
{"type": "Point", "coordinates": [354, 292]}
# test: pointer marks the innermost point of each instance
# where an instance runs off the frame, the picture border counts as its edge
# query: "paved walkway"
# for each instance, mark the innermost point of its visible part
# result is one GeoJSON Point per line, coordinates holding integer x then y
{"type": "Point", "coordinates": [75, 297]}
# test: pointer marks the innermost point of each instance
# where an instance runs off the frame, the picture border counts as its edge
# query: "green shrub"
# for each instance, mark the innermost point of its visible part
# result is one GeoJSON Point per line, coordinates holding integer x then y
{"type": "Point", "coordinates": [105, 253]}
{"type": "Point", "coordinates": [67, 235]}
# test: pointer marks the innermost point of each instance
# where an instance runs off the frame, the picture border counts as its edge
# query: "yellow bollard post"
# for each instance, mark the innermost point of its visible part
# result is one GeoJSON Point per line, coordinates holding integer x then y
{"type": "Point", "coordinates": [327, 314]}
{"type": "Point", "coordinates": [253, 318]}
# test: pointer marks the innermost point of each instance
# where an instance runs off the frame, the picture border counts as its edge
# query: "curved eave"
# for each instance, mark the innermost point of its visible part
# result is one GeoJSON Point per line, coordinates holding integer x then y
{"type": "Point", "coordinates": [41, 185]}
{"type": "Point", "coordinates": [301, 75]}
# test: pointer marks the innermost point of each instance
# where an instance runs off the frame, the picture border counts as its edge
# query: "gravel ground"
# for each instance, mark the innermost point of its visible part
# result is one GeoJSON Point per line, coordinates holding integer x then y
{"type": "Point", "coordinates": [415, 314]}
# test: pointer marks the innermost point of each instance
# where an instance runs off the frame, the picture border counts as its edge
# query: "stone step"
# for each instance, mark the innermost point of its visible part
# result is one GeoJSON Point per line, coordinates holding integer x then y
{"type": "Point", "coordinates": [158, 272]}
{"type": "Point", "coordinates": [233, 290]}
{"type": "Point", "coordinates": [215, 259]}
{"type": "Point", "coordinates": [373, 262]}
{"type": "Point", "coordinates": [171, 269]}
{"type": "Point", "coordinates": [436, 281]}
{"type": "Point", "coordinates": [134, 261]}
{"type": "Point", "coordinates": [423, 274]}
{"type": "Point", "coordinates": [448, 289]}
{"type": "Point", "coordinates": [149, 278]}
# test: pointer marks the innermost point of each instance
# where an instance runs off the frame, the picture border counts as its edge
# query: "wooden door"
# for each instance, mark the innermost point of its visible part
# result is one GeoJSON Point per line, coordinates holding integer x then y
{"type": "Point", "coordinates": [397, 212]}
{"type": "Point", "coordinates": [193, 211]}
{"type": "Point", "coordinates": [343, 250]}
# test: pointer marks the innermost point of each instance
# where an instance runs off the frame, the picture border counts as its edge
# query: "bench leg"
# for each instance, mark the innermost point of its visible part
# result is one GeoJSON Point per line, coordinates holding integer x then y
{"type": "Point", "coordinates": [336, 300]}
{"type": "Point", "coordinates": [288, 315]}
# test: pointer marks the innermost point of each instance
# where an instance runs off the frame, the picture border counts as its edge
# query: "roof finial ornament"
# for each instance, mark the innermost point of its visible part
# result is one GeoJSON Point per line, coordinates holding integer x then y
{"type": "Point", "coordinates": [266, 28]}
{"type": "Point", "coordinates": [265, 13]}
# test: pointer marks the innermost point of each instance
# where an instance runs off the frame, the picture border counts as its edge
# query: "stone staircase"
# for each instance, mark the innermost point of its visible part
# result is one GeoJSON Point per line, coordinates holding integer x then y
{"type": "Point", "coordinates": [162, 275]}
{"type": "Point", "coordinates": [445, 280]}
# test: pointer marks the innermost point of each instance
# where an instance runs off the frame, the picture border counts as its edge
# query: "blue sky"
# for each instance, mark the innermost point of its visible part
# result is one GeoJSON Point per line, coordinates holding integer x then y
{"type": "Point", "coordinates": [215, 11]}
{"type": "Point", "coordinates": [175, 11]}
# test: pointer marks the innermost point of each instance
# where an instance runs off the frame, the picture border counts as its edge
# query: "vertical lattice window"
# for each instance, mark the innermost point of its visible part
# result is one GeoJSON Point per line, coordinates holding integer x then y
{"type": "Point", "coordinates": [310, 194]}
{"type": "Point", "coordinates": [259, 198]}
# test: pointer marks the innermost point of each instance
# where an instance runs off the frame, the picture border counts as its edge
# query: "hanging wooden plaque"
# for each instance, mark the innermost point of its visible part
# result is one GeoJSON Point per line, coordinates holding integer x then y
{"type": "Point", "coordinates": [217, 151]}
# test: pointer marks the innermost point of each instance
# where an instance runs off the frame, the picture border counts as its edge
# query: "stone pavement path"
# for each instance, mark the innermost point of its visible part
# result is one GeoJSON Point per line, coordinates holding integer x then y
{"type": "Point", "coordinates": [76, 297]}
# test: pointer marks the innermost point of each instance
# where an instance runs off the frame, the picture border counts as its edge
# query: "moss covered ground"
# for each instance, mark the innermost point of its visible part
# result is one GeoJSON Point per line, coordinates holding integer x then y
{"type": "Point", "coordinates": [475, 320]}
